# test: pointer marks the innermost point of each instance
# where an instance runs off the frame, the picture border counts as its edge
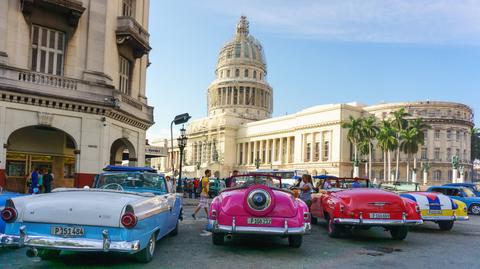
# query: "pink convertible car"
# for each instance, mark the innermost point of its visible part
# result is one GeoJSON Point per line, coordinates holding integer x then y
{"type": "Point", "coordinates": [258, 205]}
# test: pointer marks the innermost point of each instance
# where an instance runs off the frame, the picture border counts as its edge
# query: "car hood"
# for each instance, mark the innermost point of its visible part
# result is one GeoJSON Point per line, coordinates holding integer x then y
{"type": "Point", "coordinates": [233, 203]}
{"type": "Point", "coordinates": [97, 208]}
{"type": "Point", "coordinates": [358, 199]}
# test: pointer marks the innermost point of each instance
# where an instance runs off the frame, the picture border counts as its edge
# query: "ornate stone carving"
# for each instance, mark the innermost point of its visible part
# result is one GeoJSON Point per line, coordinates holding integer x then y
{"type": "Point", "coordinates": [45, 118]}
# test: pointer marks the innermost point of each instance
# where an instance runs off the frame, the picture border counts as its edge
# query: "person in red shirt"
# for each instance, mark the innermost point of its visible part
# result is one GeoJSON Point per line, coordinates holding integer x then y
{"type": "Point", "coordinates": [195, 187]}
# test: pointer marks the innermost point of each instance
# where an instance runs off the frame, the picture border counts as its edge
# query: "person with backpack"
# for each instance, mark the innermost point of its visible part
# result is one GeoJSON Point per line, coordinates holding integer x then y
{"type": "Point", "coordinates": [204, 185]}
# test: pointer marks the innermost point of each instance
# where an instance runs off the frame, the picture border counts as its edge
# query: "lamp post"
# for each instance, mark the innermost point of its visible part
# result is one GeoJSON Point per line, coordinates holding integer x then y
{"type": "Point", "coordinates": [179, 119]}
{"type": "Point", "coordinates": [182, 143]}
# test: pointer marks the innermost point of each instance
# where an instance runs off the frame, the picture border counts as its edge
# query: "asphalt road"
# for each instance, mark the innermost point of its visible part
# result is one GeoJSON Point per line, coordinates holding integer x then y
{"type": "Point", "coordinates": [425, 247]}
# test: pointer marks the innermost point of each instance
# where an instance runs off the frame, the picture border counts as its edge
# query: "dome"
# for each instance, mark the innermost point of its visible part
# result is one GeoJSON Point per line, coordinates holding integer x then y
{"type": "Point", "coordinates": [243, 48]}
{"type": "Point", "coordinates": [240, 88]}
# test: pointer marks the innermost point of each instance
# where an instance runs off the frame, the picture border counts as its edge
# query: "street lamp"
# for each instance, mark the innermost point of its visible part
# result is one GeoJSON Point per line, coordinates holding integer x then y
{"type": "Point", "coordinates": [182, 143]}
{"type": "Point", "coordinates": [179, 119]}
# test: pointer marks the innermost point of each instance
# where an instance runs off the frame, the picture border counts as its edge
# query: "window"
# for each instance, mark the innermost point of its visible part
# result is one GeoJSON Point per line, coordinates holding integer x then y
{"type": "Point", "coordinates": [237, 50]}
{"type": "Point", "coordinates": [228, 73]}
{"type": "Point", "coordinates": [260, 76]}
{"type": "Point", "coordinates": [437, 134]}
{"type": "Point", "coordinates": [437, 175]}
{"type": "Point", "coordinates": [254, 74]}
{"type": "Point", "coordinates": [465, 155]}
{"type": "Point", "coordinates": [237, 73]}
{"type": "Point", "coordinates": [424, 155]}
{"type": "Point", "coordinates": [437, 154]}
{"type": "Point", "coordinates": [450, 174]}
{"type": "Point", "coordinates": [449, 134]}
{"type": "Point", "coordinates": [449, 153]}
{"type": "Point", "coordinates": [317, 152]}
{"type": "Point", "coordinates": [245, 50]}
{"type": "Point", "coordinates": [221, 74]}
{"type": "Point", "coordinates": [326, 151]}
{"type": "Point", "coordinates": [48, 50]}
{"type": "Point", "coordinates": [457, 152]}
{"type": "Point", "coordinates": [308, 152]}
{"type": "Point", "coordinates": [457, 137]}
{"type": "Point", "coordinates": [124, 74]}
{"type": "Point", "coordinates": [128, 8]}
{"type": "Point", "coordinates": [246, 73]}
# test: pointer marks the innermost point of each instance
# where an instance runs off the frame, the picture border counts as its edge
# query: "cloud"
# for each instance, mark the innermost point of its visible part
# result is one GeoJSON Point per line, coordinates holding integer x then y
{"type": "Point", "coordinates": [392, 21]}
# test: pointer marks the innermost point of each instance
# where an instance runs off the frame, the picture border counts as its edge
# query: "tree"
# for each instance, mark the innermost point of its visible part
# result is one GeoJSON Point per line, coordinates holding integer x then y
{"type": "Point", "coordinates": [387, 142]}
{"type": "Point", "coordinates": [369, 133]}
{"type": "Point", "coordinates": [475, 143]}
{"type": "Point", "coordinates": [399, 123]}
{"type": "Point", "coordinates": [421, 126]}
{"type": "Point", "coordinates": [354, 135]}
{"type": "Point", "coordinates": [409, 144]}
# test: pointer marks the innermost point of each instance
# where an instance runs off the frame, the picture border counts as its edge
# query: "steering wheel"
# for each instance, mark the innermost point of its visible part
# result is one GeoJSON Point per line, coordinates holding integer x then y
{"type": "Point", "coordinates": [115, 186]}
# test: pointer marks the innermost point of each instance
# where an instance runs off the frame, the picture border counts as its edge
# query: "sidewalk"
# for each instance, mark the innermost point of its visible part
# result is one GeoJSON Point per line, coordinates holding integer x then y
{"type": "Point", "coordinates": [190, 201]}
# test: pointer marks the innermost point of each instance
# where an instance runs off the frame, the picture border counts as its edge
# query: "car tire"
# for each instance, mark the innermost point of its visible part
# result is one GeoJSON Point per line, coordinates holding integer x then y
{"type": "Point", "coordinates": [399, 233]}
{"type": "Point", "coordinates": [334, 230]}
{"type": "Point", "coordinates": [48, 254]}
{"type": "Point", "coordinates": [475, 209]}
{"type": "Point", "coordinates": [314, 220]}
{"type": "Point", "coordinates": [174, 232]}
{"type": "Point", "coordinates": [146, 254]}
{"type": "Point", "coordinates": [295, 241]}
{"type": "Point", "coordinates": [218, 239]}
{"type": "Point", "coordinates": [445, 225]}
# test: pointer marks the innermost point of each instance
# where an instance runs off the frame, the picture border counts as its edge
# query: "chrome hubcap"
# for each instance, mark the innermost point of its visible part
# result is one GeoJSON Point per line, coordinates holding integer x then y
{"type": "Point", "coordinates": [476, 209]}
{"type": "Point", "coordinates": [152, 245]}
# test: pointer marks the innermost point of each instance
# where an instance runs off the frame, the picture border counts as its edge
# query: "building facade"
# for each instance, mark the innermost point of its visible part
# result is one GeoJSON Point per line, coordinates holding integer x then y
{"type": "Point", "coordinates": [72, 87]}
{"type": "Point", "coordinates": [239, 133]}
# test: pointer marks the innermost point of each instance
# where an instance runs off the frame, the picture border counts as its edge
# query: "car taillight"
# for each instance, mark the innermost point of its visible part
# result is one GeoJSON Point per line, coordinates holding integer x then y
{"type": "Point", "coordinates": [129, 220]}
{"type": "Point", "coordinates": [214, 214]}
{"type": "Point", "coordinates": [307, 217]}
{"type": "Point", "coordinates": [9, 214]}
{"type": "Point", "coordinates": [417, 209]}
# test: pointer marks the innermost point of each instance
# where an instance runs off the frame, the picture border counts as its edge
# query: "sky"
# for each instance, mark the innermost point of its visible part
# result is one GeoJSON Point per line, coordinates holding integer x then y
{"type": "Point", "coordinates": [318, 52]}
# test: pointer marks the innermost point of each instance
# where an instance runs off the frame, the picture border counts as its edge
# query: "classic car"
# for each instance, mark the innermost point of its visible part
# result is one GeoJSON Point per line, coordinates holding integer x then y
{"type": "Point", "coordinates": [4, 196]}
{"type": "Point", "coordinates": [475, 187]}
{"type": "Point", "coordinates": [258, 205]}
{"type": "Point", "coordinates": [463, 194]}
{"type": "Point", "coordinates": [347, 203]}
{"type": "Point", "coordinates": [438, 208]}
{"type": "Point", "coordinates": [127, 211]}
{"type": "Point", "coordinates": [400, 186]}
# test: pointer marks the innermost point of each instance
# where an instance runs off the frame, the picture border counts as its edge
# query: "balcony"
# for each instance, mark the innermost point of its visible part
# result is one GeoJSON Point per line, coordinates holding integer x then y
{"type": "Point", "coordinates": [71, 9]}
{"type": "Point", "coordinates": [132, 34]}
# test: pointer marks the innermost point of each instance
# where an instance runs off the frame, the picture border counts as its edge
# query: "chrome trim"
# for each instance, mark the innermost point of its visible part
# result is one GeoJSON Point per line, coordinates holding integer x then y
{"type": "Point", "coordinates": [305, 229]}
{"type": "Point", "coordinates": [151, 212]}
{"type": "Point", "coordinates": [376, 222]}
{"type": "Point", "coordinates": [74, 244]}
{"type": "Point", "coordinates": [440, 218]}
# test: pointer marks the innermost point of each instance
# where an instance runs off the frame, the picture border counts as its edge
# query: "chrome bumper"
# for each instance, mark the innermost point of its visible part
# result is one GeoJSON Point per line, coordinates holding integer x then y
{"type": "Point", "coordinates": [73, 244]}
{"type": "Point", "coordinates": [441, 218]}
{"type": "Point", "coordinates": [376, 222]}
{"type": "Point", "coordinates": [216, 228]}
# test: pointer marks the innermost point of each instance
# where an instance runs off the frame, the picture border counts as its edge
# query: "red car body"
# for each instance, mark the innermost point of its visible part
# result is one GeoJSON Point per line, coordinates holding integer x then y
{"type": "Point", "coordinates": [253, 207]}
{"type": "Point", "coordinates": [345, 207]}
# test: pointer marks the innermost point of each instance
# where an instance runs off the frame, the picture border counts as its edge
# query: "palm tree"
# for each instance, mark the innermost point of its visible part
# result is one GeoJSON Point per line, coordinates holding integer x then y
{"type": "Point", "coordinates": [386, 142]}
{"type": "Point", "coordinates": [354, 135]}
{"type": "Point", "coordinates": [399, 123]}
{"type": "Point", "coordinates": [421, 126]}
{"type": "Point", "coordinates": [409, 144]}
{"type": "Point", "coordinates": [364, 148]}
{"type": "Point", "coordinates": [369, 130]}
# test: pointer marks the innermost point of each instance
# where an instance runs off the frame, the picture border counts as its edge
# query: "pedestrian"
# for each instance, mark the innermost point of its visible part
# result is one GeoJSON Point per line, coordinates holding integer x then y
{"type": "Point", "coordinates": [47, 181]}
{"type": "Point", "coordinates": [169, 184]}
{"type": "Point", "coordinates": [306, 190]}
{"type": "Point", "coordinates": [33, 189]}
{"type": "Point", "coordinates": [196, 182]}
{"type": "Point", "coordinates": [205, 182]}
{"type": "Point", "coordinates": [231, 181]}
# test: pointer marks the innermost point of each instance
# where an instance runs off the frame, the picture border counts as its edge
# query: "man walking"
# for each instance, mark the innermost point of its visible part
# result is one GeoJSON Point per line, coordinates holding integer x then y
{"type": "Point", "coordinates": [204, 184]}
{"type": "Point", "coordinates": [230, 182]}
{"type": "Point", "coordinates": [47, 181]}
{"type": "Point", "coordinates": [34, 186]}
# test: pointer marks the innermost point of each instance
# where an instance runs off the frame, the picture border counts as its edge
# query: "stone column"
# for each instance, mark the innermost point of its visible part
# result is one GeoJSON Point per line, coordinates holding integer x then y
{"type": "Point", "coordinates": [288, 149]}
{"type": "Point", "coordinates": [238, 154]}
{"type": "Point", "coordinates": [454, 175]}
{"type": "Point", "coordinates": [297, 154]}
{"type": "Point", "coordinates": [268, 157]}
{"type": "Point", "coordinates": [281, 150]}
{"type": "Point", "coordinates": [254, 151]}
{"type": "Point", "coordinates": [261, 148]}
{"type": "Point", "coordinates": [274, 149]}
{"type": "Point", "coordinates": [312, 145]}
{"type": "Point", "coordinates": [4, 35]}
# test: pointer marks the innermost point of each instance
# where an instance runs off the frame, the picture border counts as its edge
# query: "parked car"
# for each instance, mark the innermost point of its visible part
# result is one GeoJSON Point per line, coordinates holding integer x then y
{"type": "Point", "coordinates": [439, 208]}
{"type": "Point", "coordinates": [258, 205]}
{"type": "Point", "coordinates": [463, 194]}
{"type": "Point", "coordinates": [475, 187]}
{"type": "Point", "coordinates": [4, 196]}
{"type": "Point", "coordinates": [215, 186]}
{"type": "Point", "coordinates": [127, 211]}
{"type": "Point", "coordinates": [347, 203]}
{"type": "Point", "coordinates": [400, 186]}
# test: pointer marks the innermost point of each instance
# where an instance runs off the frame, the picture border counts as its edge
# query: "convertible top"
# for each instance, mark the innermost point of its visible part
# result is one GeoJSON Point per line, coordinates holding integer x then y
{"type": "Point", "coordinates": [112, 168]}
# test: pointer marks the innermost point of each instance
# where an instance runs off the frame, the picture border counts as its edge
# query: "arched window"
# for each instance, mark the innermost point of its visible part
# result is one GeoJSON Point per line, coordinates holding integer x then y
{"type": "Point", "coordinates": [450, 174]}
{"type": "Point", "coordinates": [237, 72]}
{"type": "Point", "coordinates": [254, 74]}
{"type": "Point", "coordinates": [246, 73]}
{"type": "Point", "coordinates": [437, 175]}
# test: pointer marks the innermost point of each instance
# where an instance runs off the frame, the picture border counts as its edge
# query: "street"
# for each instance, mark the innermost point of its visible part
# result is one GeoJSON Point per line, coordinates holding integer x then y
{"type": "Point", "coordinates": [425, 247]}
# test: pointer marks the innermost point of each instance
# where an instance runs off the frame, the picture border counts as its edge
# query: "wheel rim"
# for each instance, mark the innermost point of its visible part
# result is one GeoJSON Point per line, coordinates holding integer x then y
{"type": "Point", "coordinates": [151, 248]}
{"type": "Point", "coordinates": [476, 209]}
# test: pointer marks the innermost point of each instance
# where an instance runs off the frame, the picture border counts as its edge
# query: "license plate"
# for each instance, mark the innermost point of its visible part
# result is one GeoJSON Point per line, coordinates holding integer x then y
{"type": "Point", "coordinates": [379, 215]}
{"type": "Point", "coordinates": [434, 211]}
{"type": "Point", "coordinates": [259, 221]}
{"type": "Point", "coordinates": [67, 231]}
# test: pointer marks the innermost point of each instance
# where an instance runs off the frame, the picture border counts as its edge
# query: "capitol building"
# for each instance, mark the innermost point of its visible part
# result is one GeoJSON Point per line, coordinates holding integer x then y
{"type": "Point", "coordinates": [240, 134]}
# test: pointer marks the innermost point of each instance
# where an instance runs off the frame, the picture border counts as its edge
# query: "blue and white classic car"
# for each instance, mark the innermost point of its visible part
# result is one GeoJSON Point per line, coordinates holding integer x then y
{"type": "Point", "coordinates": [4, 196]}
{"type": "Point", "coordinates": [127, 211]}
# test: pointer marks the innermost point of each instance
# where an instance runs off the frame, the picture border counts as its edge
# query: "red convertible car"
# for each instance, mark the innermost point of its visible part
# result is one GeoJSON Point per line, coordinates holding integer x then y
{"type": "Point", "coordinates": [347, 203]}
{"type": "Point", "coordinates": [258, 205]}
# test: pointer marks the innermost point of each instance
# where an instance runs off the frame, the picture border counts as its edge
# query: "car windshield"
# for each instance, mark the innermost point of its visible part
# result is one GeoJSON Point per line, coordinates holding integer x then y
{"type": "Point", "coordinates": [399, 186]}
{"type": "Point", "coordinates": [469, 192]}
{"type": "Point", "coordinates": [268, 181]}
{"type": "Point", "coordinates": [132, 181]}
{"type": "Point", "coordinates": [344, 183]}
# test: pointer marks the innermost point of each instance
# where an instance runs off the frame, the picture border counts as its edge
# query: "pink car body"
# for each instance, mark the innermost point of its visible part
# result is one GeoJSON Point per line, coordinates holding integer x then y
{"type": "Point", "coordinates": [255, 208]}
